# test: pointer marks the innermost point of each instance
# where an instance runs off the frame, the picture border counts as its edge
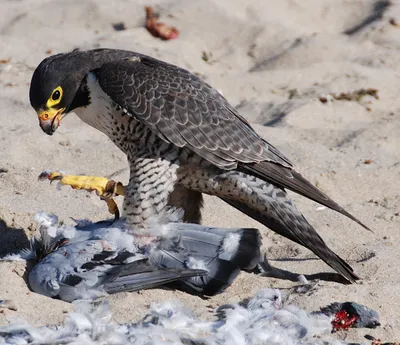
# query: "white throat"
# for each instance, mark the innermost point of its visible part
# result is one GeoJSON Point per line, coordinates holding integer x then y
{"type": "Point", "coordinates": [101, 112]}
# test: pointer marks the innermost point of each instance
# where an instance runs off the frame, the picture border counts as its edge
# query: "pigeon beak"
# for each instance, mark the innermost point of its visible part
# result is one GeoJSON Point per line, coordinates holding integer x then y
{"type": "Point", "coordinates": [50, 119]}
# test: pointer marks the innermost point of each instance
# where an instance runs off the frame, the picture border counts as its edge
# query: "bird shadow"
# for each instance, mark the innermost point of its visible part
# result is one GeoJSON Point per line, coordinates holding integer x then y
{"type": "Point", "coordinates": [294, 259]}
{"type": "Point", "coordinates": [266, 64]}
{"type": "Point", "coordinates": [12, 239]}
{"type": "Point", "coordinates": [379, 9]}
{"type": "Point", "coordinates": [274, 272]}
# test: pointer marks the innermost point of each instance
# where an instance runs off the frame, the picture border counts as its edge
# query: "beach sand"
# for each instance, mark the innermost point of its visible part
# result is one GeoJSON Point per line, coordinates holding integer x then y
{"type": "Point", "coordinates": [281, 63]}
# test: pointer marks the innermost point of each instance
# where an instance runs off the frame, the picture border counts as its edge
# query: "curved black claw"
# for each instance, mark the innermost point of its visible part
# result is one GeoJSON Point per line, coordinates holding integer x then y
{"type": "Point", "coordinates": [50, 175]}
{"type": "Point", "coordinates": [116, 215]}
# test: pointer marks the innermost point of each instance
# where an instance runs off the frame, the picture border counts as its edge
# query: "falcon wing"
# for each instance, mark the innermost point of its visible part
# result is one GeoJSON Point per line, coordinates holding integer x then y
{"type": "Point", "coordinates": [185, 111]}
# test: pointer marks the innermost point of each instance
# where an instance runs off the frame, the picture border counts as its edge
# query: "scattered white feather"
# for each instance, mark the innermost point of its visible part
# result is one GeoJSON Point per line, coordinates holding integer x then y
{"type": "Point", "coordinates": [67, 231]}
{"type": "Point", "coordinates": [302, 279]}
{"type": "Point", "coordinates": [174, 215]}
{"type": "Point", "coordinates": [12, 257]}
{"type": "Point", "coordinates": [196, 264]}
{"type": "Point", "coordinates": [231, 244]}
{"type": "Point", "coordinates": [46, 219]}
{"type": "Point", "coordinates": [261, 321]}
{"type": "Point", "coordinates": [160, 225]}
{"type": "Point", "coordinates": [23, 255]}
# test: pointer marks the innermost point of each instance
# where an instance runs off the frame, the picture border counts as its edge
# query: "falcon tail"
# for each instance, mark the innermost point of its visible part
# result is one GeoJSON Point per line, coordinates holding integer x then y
{"type": "Point", "coordinates": [288, 178]}
{"type": "Point", "coordinates": [284, 219]}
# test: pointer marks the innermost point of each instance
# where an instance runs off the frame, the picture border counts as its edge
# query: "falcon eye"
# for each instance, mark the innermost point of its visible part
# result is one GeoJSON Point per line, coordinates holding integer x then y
{"type": "Point", "coordinates": [56, 95]}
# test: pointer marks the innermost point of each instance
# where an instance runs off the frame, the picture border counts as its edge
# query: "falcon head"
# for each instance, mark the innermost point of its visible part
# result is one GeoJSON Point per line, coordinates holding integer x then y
{"type": "Point", "coordinates": [58, 87]}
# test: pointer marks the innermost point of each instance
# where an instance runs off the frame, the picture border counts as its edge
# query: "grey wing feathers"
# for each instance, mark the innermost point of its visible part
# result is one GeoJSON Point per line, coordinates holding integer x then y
{"type": "Point", "coordinates": [222, 253]}
{"type": "Point", "coordinates": [184, 110]}
{"type": "Point", "coordinates": [289, 178]}
{"type": "Point", "coordinates": [219, 273]}
{"type": "Point", "coordinates": [240, 246]}
{"type": "Point", "coordinates": [298, 230]}
{"type": "Point", "coordinates": [141, 274]}
{"type": "Point", "coordinates": [91, 271]}
{"type": "Point", "coordinates": [148, 278]}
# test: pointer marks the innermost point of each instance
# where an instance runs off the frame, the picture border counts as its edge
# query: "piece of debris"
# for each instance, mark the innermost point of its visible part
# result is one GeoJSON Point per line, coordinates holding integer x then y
{"type": "Point", "coordinates": [293, 93]}
{"type": "Point", "coordinates": [252, 51]}
{"type": "Point", "coordinates": [7, 304]}
{"type": "Point", "coordinates": [378, 341]}
{"type": "Point", "coordinates": [49, 51]}
{"type": "Point", "coordinates": [394, 22]}
{"type": "Point", "coordinates": [119, 26]}
{"type": "Point", "coordinates": [356, 95]}
{"type": "Point", "coordinates": [206, 56]}
{"type": "Point", "coordinates": [368, 161]}
{"type": "Point", "coordinates": [367, 257]}
{"type": "Point", "coordinates": [384, 202]}
{"type": "Point", "coordinates": [4, 61]}
{"type": "Point", "coordinates": [160, 30]}
{"type": "Point", "coordinates": [3, 170]}
{"type": "Point", "coordinates": [65, 143]}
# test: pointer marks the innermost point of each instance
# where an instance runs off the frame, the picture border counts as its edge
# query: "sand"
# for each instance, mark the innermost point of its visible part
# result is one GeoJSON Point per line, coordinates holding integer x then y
{"type": "Point", "coordinates": [275, 61]}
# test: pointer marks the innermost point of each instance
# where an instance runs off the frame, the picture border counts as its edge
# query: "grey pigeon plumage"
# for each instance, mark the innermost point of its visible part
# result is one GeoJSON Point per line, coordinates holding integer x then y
{"type": "Point", "coordinates": [93, 259]}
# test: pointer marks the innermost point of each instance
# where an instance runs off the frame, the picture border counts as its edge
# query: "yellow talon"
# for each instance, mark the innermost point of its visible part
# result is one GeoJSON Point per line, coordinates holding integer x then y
{"type": "Point", "coordinates": [104, 187]}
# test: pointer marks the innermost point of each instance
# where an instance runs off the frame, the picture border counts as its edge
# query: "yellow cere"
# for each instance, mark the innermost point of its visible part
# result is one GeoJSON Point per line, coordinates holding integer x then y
{"type": "Point", "coordinates": [55, 98]}
{"type": "Point", "coordinates": [50, 114]}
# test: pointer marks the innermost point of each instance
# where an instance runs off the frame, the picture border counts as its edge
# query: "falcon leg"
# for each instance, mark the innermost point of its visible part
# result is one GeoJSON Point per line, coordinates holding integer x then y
{"type": "Point", "coordinates": [190, 201]}
{"type": "Point", "coordinates": [151, 181]}
{"type": "Point", "coordinates": [106, 189]}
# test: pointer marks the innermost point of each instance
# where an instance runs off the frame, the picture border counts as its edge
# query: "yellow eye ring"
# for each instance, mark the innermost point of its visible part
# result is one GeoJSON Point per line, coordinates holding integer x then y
{"type": "Point", "coordinates": [55, 97]}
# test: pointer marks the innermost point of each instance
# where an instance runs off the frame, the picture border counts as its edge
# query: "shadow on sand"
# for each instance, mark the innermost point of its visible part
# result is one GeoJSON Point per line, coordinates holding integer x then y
{"type": "Point", "coordinates": [11, 239]}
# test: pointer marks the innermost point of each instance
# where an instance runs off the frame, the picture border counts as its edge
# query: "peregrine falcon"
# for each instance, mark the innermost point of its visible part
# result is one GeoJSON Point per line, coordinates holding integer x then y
{"type": "Point", "coordinates": [182, 138]}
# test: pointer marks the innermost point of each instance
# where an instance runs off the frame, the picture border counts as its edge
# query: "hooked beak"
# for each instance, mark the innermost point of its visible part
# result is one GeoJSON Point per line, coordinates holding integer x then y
{"type": "Point", "coordinates": [50, 119]}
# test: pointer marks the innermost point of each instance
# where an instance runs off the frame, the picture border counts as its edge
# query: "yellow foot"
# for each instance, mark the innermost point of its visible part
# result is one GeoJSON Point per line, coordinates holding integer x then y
{"type": "Point", "coordinates": [106, 189]}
